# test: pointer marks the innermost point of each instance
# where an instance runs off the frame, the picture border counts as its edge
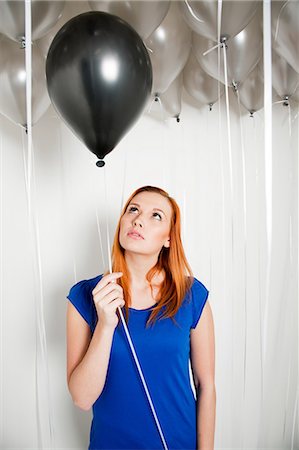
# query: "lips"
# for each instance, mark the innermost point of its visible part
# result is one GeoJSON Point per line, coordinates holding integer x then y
{"type": "Point", "coordinates": [135, 235]}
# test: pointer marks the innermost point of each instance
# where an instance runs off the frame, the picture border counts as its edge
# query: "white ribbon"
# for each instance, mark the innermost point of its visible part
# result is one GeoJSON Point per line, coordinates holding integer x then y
{"type": "Point", "coordinates": [41, 343]}
{"type": "Point", "coordinates": [268, 153]}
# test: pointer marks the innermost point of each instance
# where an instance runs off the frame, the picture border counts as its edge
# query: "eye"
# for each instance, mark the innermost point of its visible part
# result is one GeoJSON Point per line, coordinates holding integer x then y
{"type": "Point", "coordinates": [132, 209]}
{"type": "Point", "coordinates": [157, 215]}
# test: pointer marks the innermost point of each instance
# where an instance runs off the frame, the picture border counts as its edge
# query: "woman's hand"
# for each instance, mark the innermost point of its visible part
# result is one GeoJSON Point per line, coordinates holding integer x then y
{"type": "Point", "coordinates": [107, 296]}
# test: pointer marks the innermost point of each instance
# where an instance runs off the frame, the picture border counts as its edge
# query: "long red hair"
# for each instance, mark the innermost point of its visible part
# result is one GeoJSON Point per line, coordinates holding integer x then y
{"type": "Point", "coordinates": [172, 261]}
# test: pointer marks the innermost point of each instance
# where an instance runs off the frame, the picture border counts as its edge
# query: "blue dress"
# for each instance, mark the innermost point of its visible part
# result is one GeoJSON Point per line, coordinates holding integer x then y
{"type": "Point", "coordinates": [122, 417]}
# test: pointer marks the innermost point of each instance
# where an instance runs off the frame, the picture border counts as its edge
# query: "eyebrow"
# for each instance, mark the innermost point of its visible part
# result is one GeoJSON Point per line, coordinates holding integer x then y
{"type": "Point", "coordinates": [154, 209]}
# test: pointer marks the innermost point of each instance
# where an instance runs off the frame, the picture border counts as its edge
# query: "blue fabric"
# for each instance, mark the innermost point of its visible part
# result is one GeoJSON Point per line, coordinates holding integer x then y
{"type": "Point", "coordinates": [122, 418]}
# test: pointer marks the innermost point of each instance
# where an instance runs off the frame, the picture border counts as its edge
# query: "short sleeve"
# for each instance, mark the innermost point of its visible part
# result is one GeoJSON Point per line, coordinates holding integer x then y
{"type": "Point", "coordinates": [199, 297]}
{"type": "Point", "coordinates": [79, 296]}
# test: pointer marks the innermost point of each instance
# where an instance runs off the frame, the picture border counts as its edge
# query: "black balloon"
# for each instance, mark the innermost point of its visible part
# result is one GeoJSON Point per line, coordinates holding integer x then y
{"type": "Point", "coordinates": [99, 78]}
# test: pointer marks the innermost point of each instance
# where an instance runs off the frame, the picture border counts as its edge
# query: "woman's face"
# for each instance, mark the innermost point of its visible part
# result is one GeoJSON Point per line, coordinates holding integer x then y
{"type": "Point", "coordinates": [145, 225]}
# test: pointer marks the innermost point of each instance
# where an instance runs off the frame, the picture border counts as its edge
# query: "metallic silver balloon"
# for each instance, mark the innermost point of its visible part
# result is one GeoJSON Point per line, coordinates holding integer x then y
{"type": "Point", "coordinates": [199, 84]}
{"type": "Point", "coordinates": [295, 96]}
{"type": "Point", "coordinates": [169, 47]}
{"type": "Point", "coordinates": [285, 79]}
{"type": "Point", "coordinates": [44, 15]}
{"type": "Point", "coordinates": [172, 98]}
{"type": "Point", "coordinates": [143, 16]}
{"type": "Point", "coordinates": [243, 53]}
{"type": "Point", "coordinates": [285, 31]}
{"type": "Point", "coordinates": [251, 91]}
{"type": "Point", "coordinates": [202, 16]}
{"type": "Point", "coordinates": [13, 83]}
{"type": "Point", "coordinates": [71, 9]}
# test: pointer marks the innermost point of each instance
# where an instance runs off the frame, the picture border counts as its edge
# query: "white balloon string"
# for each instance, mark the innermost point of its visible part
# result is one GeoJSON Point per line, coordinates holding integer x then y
{"type": "Point", "coordinates": [100, 237]}
{"type": "Point", "coordinates": [192, 12]}
{"type": "Point", "coordinates": [64, 163]}
{"type": "Point", "coordinates": [229, 150]}
{"type": "Point", "coordinates": [211, 49]}
{"type": "Point", "coordinates": [294, 419]}
{"type": "Point", "coordinates": [290, 119]}
{"type": "Point", "coordinates": [268, 154]}
{"type": "Point", "coordinates": [244, 189]}
{"type": "Point", "coordinates": [151, 105]}
{"type": "Point", "coordinates": [232, 199]}
{"type": "Point", "coordinates": [124, 179]}
{"type": "Point", "coordinates": [127, 331]}
{"type": "Point", "coordinates": [1, 289]}
{"type": "Point", "coordinates": [34, 231]}
{"type": "Point", "coordinates": [287, 396]}
{"type": "Point", "coordinates": [99, 228]}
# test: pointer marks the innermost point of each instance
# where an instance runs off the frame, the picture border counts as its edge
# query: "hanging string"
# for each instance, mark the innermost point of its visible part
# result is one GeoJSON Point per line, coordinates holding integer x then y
{"type": "Point", "coordinates": [244, 186]}
{"type": "Point", "coordinates": [268, 154]}
{"type": "Point", "coordinates": [66, 204]}
{"type": "Point", "coordinates": [244, 189]}
{"type": "Point", "coordinates": [34, 232]}
{"type": "Point", "coordinates": [127, 331]}
{"type": "Point", "coordinates": [294, 420]}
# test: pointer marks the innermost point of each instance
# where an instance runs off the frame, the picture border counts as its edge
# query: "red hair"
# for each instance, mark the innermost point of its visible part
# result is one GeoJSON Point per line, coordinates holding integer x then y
{"type": "Point", "coordinates": [172, 261]}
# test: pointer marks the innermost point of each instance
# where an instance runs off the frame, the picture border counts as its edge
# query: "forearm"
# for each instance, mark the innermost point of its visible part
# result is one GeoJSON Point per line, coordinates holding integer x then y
{"type": "Point", "coordinates": [87, 380]}
{"type": "Point", "coordinates": [206, 417]}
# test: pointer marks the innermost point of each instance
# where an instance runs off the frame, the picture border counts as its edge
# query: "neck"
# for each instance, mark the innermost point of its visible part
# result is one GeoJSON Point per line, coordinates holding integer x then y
{"type": "Point", "coordinates": [138, 266]}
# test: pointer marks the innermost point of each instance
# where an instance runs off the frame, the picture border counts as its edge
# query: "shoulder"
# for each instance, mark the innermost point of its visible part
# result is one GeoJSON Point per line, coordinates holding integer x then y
{"type": "Point", "coordinates": [196, 298]}
{"type": "Point", "coordinates": [86, 284]}
{"type": "Point", "coordinates": [197, 288]}
{"type": "Point", "coordinates": [80, 295]}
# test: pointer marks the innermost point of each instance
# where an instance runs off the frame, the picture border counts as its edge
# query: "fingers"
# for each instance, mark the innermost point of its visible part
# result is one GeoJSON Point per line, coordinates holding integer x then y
{"type": "Point", "coordinates": [109, 278]}
{"type": "Point", "coordinates": [109, 297]}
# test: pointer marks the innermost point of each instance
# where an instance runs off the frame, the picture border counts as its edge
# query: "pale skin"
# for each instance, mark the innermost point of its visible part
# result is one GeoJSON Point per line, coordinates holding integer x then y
{"type": "Point", "coordinates": [148, 214]}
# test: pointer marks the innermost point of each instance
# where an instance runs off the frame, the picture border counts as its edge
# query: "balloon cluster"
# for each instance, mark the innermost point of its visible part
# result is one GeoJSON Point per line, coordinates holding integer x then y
{"type": "Point", "coordinates": [103, 65]}
{"type": "Point", "coordinates": [12, 58]}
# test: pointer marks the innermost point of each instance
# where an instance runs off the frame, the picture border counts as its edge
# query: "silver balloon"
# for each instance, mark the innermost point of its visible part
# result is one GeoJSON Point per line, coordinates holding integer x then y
{"type": "Point", "coordinates": [71, 9]}
{"type": "Point", "coordinates": [143, 16]}
{"type": "Point", "coordinates": [285, 79]}
{"type": "Point", "coordinates": [295, 96]}
{"type": "Point", "coordinates": [243, 53]}
{"type": "Point", "coordinates": [13, 83]}
{"type": "Point", "coordinates": [202, 16]}
{"type": "Point", "coordinates": [44, 15]}
{"type": "Point", "coordinates": [251, 91]}
{"type": "Point", "coordinates": [199, 84]}
{"type": "Point", "coordinates": [172, 98]}
{"type": "Point", "coordinates": [285, 31]}
{"type": "Point", "coordinates": [169, 47]}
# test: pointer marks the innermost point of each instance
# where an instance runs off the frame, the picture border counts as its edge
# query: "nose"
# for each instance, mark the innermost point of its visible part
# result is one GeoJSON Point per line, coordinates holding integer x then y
{"type": "Point", "coordinates": [137, 222]}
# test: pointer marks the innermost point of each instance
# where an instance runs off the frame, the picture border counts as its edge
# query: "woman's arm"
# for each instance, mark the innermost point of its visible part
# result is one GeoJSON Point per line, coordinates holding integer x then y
{"type": "Point", "coordinates": [88, 357]}
{"type": "Point", "coordinates": [203, 368]}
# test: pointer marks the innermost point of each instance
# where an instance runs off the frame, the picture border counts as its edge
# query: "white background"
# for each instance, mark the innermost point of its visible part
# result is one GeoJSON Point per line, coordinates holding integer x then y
{"type": "Point", "coordinates": [257, 398]}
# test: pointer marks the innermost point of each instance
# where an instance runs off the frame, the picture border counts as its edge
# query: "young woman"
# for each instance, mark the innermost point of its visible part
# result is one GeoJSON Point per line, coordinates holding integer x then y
{"type": "Point", "coordinates": [162, 302]}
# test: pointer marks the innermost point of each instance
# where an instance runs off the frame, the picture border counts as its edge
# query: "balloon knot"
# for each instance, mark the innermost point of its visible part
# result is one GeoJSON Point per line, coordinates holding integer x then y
{"type": "Point", "coordinates": [178, 118]}
{"type": "Point", "coordinates": [210, 106]}
{"type": "Point", "coordinates": [223, 40]}
{"type": "Point", "coordinates": [100, 163]}
{"type": "Point", "coordinates": [286, 101]}
{"type": "Point", "coordinates": [22, 42]}
{"type": "Point", "coordinates": [156, 97]}
{"type": "Point", "coordinates": [251, 113]}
